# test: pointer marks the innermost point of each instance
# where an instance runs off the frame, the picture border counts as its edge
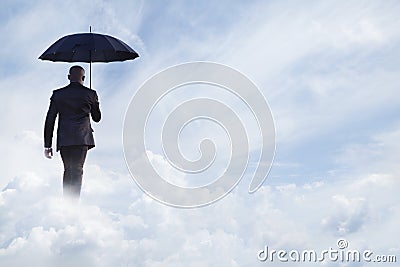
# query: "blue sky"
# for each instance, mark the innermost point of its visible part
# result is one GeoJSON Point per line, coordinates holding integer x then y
{"type": "Point", "coordinates": [329, 71]}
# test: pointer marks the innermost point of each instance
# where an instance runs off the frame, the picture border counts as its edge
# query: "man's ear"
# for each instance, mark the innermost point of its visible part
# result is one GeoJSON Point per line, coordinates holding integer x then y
{"type": "Point", "coordinates": [83, 78]}
{"type": "Point", "coordinates": [69, 77]}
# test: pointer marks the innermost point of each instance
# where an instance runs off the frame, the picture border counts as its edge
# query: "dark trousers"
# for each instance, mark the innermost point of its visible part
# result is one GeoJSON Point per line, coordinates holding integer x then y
{"type": "Point", "coordinates": [73, 158]}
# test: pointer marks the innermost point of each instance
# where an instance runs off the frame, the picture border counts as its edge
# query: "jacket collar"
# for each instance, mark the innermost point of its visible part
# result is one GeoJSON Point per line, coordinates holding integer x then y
{"type": "Point", "coordinates": [75, 84]}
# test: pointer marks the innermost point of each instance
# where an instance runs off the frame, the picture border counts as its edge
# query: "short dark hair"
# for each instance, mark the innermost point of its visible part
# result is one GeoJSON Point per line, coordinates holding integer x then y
{"type": "Point", "coordinates": [76, 67]}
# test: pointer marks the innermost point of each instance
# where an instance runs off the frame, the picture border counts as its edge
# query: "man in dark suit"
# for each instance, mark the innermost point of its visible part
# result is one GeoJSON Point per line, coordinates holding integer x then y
{"type": "Point", "coordinates": [74, 105]}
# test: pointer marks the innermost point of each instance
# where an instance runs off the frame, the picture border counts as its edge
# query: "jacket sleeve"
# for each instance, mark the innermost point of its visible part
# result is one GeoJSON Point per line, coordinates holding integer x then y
{"type": "Point", "coordinates": [95, 109]}
{"type": "Point", "coordinates": [49, 123]}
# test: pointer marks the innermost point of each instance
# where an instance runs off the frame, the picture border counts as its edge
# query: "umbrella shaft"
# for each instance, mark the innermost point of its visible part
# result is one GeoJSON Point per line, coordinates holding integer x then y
{"type": "Point", "coordinates": [90, 69]}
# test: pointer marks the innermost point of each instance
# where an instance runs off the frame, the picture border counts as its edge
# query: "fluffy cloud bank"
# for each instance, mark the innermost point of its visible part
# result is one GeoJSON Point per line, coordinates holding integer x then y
{"type": "Point", "coordinates": [115, 224]}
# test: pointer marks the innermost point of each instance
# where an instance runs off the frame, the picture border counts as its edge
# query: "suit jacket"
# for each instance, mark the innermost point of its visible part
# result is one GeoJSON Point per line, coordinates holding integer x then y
{"type": "Point", "coordinates": [74, 105]}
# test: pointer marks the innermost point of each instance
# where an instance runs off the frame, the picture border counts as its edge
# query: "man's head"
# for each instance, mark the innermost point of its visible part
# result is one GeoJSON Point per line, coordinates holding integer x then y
{"type": "Point", "coordinates": [76, 74]}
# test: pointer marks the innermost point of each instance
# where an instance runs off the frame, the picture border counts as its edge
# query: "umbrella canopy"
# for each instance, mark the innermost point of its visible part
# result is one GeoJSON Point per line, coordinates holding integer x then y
{"type": "Point", "coordinates": [89, 47]}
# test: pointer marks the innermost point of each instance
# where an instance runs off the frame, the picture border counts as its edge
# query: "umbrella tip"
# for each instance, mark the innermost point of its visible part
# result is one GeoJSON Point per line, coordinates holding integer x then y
{"type": "Point", "coordinates": [90, 28]}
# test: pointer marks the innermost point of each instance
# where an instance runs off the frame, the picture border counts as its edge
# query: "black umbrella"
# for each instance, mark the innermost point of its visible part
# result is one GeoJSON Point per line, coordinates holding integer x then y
{"type": "Point", "coordinates": [89, 47]}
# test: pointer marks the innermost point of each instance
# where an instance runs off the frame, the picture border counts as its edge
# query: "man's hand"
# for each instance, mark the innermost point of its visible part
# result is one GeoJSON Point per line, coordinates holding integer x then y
{"type": "Point", "coordinates": [48, 152]}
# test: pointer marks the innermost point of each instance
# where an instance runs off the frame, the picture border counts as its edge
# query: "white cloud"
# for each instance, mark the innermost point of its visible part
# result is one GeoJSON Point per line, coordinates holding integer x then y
{"type": "Point", "coordinates": [41, 227]}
